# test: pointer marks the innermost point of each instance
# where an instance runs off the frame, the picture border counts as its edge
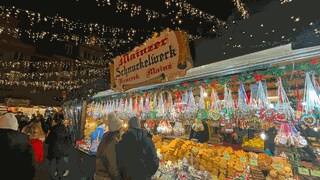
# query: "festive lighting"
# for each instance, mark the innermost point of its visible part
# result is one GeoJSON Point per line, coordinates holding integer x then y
{"type": "Point", "coordinates": [241, 8]}
{"type": "Point", "coordinates": [190, 10]}
{"type": "Point", "coordinates": [285, 1]}
{"type": "Point", "coordinates": [263, 136]}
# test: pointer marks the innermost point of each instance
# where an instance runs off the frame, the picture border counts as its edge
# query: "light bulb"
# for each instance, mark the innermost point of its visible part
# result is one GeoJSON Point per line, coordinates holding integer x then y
{"type": "Point", "coordinates": [315, 129]}
{"type": "Point", "coordinates": [205, 94]}
{"type": "Point", "coordinates": [263, 136]}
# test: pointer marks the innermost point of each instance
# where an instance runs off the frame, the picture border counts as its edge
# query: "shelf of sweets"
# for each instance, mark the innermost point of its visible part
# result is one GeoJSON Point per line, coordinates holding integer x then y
{"type": "Point", "coordinates": [219, 161]}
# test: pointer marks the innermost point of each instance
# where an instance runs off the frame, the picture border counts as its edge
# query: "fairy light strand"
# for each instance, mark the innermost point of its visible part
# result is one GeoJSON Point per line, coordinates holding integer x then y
{"type": "Point", "coordinates": [241, 8]}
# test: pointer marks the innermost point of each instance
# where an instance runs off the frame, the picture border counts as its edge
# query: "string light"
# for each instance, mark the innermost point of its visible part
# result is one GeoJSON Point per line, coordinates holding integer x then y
{"type": "Point", "coordinates": [297, 19]}
{"type": "Point", "coordinates": [190, 10]}
{"type": "Point", "coordinates": [241, 8]}
{"type": "Point", "coordinates": [285, 1]}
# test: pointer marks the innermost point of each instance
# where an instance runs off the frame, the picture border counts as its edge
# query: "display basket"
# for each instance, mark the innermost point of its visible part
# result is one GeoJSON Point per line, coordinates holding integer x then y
{"type": "Point", "coordinates": [253, 149]}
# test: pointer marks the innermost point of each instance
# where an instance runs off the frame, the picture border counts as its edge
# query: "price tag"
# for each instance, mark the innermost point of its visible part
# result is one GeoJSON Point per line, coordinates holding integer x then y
{"type": "Point", "coordinates": [226, 156]}
{"type": "Point", "coordinates": [253, 162]}
{"type": "Point", "coordinates": [315, 173]}
{"type": "Point", "coordinates": [303, 171]}
{"type": "Point", "coordinates": [277, 166]}
{"type": "Point", "coordinates": [214, 177]}
{"type": "Point", "coordinates": [243, 159]}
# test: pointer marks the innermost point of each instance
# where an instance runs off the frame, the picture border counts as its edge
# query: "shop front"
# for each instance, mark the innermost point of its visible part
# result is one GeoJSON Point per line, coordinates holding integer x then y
{"type": "Point", "coordinates": [260, 113]}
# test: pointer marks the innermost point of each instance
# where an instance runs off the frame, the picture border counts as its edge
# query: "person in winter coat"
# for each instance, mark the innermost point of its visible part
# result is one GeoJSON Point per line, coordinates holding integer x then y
{"type": "Point", "coordinates": [201, 136]}
{"type": "Point", "coordinates": [59, 143]}
{"type": "Point", "coordinates": [16, 153]}
{"type": "Point", "coordinates": [106, 161]}
{"type": "Point", "coordinates": [36, 137]}
{"type": "Point", "coordinates": [136, 153]}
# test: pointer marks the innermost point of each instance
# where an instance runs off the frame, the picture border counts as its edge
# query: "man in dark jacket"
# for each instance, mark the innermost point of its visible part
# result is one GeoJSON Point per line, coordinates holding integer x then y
{"type": "Point", "coordinates": [136, 153]}
{"type": "Point", "coordinates": [16, 153]}
{"type": "Point", "coordinates": [201, 136]}
{"type": "Point", "coordinates": [59, 143]}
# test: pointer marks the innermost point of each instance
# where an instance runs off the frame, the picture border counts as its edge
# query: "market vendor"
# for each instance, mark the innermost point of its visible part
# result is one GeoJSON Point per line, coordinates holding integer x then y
{"type": "Point", "coordinates": [269, 144]}
{"type": "Point", "coordinates": [199, 131]}
{"type": "Point", "coordinates": [233, 139]}
{"type": "Point", "coordinates": [306, 131]}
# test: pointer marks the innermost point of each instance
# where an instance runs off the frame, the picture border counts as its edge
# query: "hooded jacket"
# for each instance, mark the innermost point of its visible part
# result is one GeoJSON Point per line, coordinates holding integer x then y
{"type": "Point", "coordinates": [106, 162]}
{"type": "Point", "coordinates": [135, 164]}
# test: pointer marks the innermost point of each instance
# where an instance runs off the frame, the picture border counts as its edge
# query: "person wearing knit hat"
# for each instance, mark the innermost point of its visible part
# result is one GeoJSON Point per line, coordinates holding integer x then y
{"type": "Point", "coordinates": [106, 160]}
{"type": "Point", "coordinates": [141, 162]}
{"type": "Point", "coordinates": [16, 152]}
{"type": "Point", "coordinates": [9, 121]}
{"type": "Point", "coordinates": [114, 122]}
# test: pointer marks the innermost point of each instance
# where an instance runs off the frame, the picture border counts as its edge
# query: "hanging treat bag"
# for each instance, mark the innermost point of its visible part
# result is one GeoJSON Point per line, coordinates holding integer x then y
{"type": "Point", "coordinates": [284, 111]}
{"type": "Point", "coordinates": [192, 107]}
{"type": "Point", "coordinates": [178, 103]}
{"type": "Point", "coordinates": [299, 141]}
{"type": "Point", "coordinates": [312, 103]}
{"type": "Point", "coordinates": [201, 103]}
{"type": "Point", "coordinates": [160, 107]}
{"type": "Point", "coordinates": [281, 139]}
{"type": "Point", "coordinates": [214, 109]}
{"type": "Point", "coordinates": [228, 107]}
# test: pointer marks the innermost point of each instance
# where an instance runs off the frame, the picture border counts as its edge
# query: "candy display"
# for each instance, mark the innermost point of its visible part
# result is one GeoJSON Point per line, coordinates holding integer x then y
{"type": "Point", "coordinates": [254, 142]}
{"type": "Point", "coordinates": [221, 162]}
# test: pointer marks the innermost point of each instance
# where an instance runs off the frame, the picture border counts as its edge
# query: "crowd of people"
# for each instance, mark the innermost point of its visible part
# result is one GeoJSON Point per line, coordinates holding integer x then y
{"type": "Point", "coordinates": [129, 154]}
{"type": "Point", "coordinates": [23, 143]}
{"type": "Point", "coordinates": [123, 153]}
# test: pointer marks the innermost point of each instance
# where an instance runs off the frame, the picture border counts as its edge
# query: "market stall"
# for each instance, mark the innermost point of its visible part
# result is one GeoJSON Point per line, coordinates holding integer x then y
{"type": "Point", "coordinates": [270, 102]}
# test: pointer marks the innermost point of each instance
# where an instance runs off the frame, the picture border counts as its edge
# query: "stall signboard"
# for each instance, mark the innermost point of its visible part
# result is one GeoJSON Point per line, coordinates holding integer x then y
{"type": "Point", "coordinates": [162, 58]}
{"type": "Point", "coordinates": [13, 102]}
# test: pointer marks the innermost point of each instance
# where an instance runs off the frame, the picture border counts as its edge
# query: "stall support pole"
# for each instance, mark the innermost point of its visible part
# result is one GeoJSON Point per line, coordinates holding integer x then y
{"type": "Point", "coordinates": [83, 119]}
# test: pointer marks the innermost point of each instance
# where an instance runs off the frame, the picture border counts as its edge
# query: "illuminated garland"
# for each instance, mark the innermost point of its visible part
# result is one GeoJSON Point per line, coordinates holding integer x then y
{"type": "Point", "coordinates": [285, 1]}
{"type": "Point", "coordinates": [48, 75]}
{"type": "Point", "coordinates": [190, 10]}
{"type": "Point", "coordinates": [241, 8]}
{"type": "Point", "coordinates": [47, 85]}
{"type": "Point", "coordinates": [97, 64]}
{"type": "Point", "coordinates": [134, 9]}
{"type": "Point", "coordinates": [69, 26]}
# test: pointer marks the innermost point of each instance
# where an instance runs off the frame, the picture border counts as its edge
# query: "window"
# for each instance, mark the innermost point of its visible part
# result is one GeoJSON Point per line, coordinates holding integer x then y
{"type": "Point", "coordinates": [68, 49]}
{"type": "Point", "coordinates": [18, 56]}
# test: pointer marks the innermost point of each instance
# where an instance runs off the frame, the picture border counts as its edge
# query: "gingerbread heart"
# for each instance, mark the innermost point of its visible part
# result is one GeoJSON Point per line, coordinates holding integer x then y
{"type": "Point", "coordinates": [310, 120]}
